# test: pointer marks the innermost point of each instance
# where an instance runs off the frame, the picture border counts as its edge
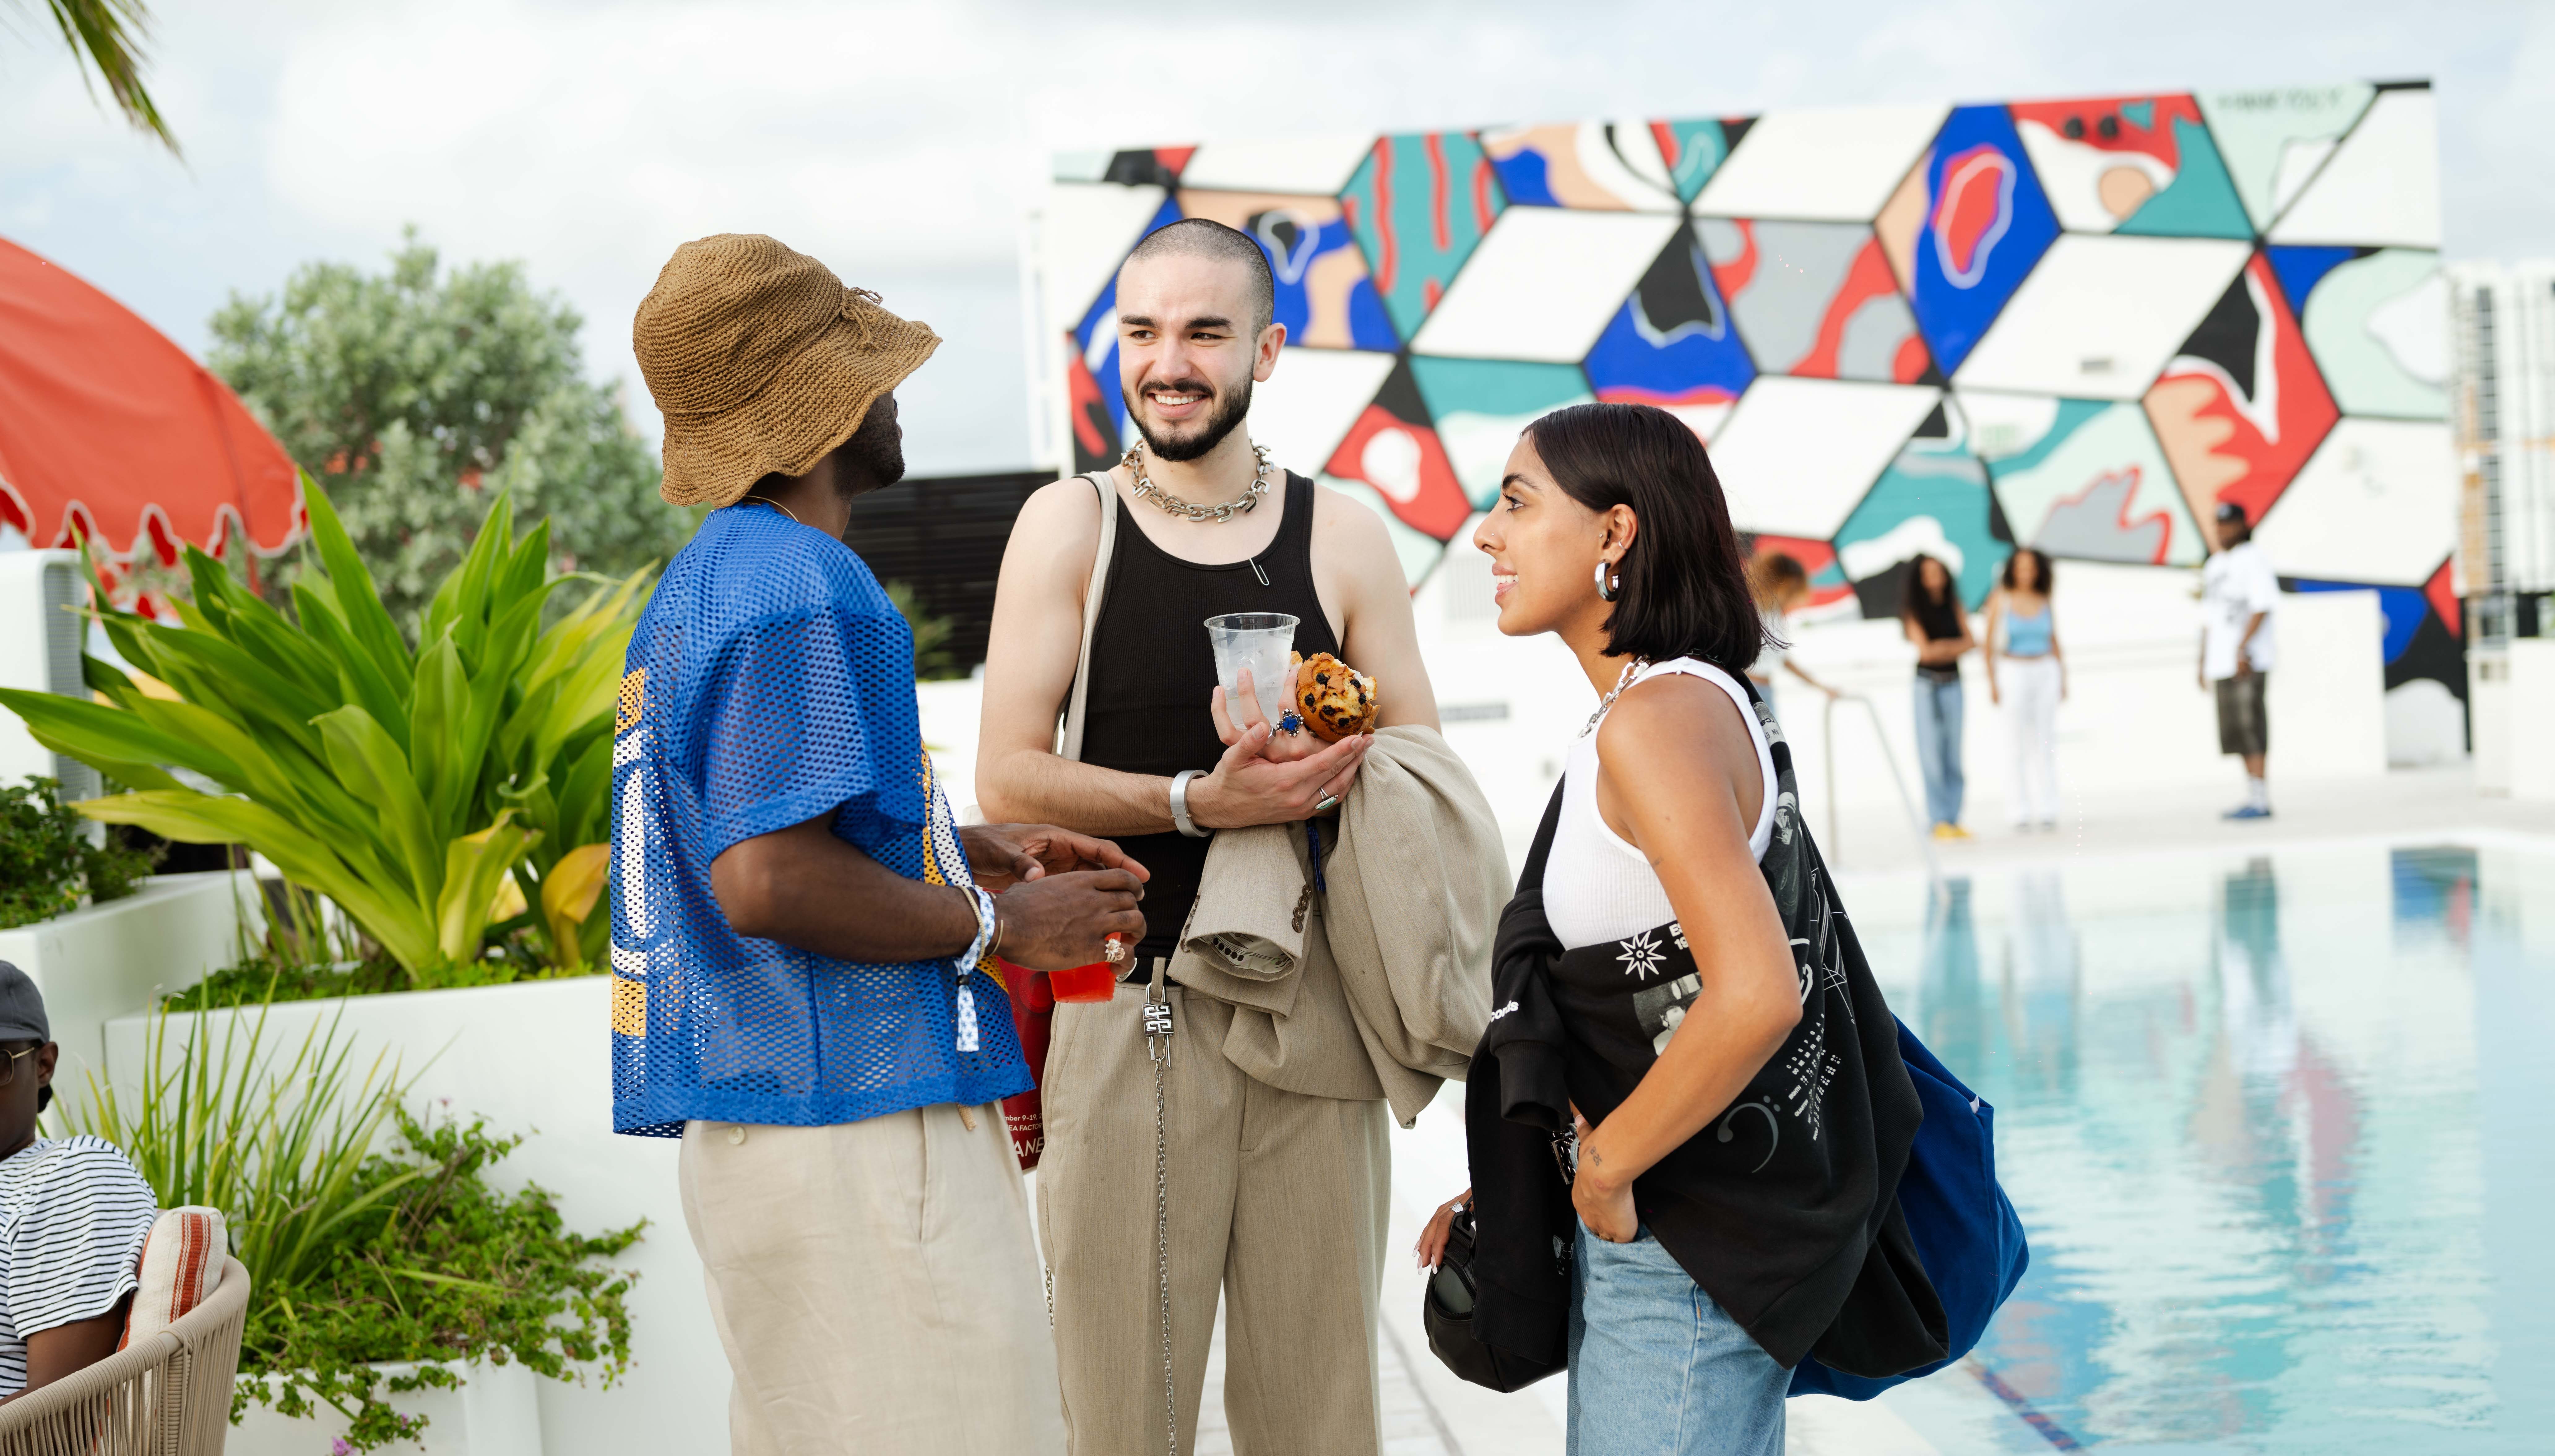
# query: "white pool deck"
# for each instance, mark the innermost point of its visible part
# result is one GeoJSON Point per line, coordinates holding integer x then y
{"type": "Point", "coordinates": [1429, 1413]}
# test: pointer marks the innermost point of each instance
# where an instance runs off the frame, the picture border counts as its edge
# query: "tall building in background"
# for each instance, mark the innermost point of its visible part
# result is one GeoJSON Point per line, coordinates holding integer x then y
{"type": "Point", "coordinates": [2502, 405]}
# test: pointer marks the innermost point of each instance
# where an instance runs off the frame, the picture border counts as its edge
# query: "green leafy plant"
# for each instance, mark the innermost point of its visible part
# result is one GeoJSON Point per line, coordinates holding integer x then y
{"type": "Point", "coordinates": [935, 659]}
{"type": "Point", "coordinates": [446, 1269]}
{"type": "Point", "coordinates": [419, 392]}
{"type": "Point", "coordinates": [47, 862]}
{"type": "Point", "coordinates": [303, 953]}
{"type": "Point", "coordinates": [370, 1234]}
{"type": "Point", "coordinates": [437, 795]}
{"type": "Point", "coordinates": [215, 1122]}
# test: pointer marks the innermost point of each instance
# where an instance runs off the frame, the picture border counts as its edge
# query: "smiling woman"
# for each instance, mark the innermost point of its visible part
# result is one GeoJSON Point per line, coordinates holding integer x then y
{"type": "Point", "coordinates": [1675, 945]}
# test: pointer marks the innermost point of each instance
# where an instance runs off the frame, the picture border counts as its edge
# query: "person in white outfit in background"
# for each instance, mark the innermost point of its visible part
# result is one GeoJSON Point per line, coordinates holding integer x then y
{"type": "Point", "coordinates": [2239, 593]}
{"type": "Point", "coordinates": [2022, 635]}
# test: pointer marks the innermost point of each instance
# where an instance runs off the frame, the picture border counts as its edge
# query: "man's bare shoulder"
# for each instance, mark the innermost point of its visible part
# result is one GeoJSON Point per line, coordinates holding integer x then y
{"type": "Point", "coordinates": [1346, 527]}
{"type": "Point", "coordinates": [1063, 512]}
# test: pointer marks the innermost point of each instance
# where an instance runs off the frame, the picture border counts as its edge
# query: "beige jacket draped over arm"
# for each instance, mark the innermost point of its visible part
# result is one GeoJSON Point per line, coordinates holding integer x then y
{"type": "Point", "coordinates": [1378, 984]}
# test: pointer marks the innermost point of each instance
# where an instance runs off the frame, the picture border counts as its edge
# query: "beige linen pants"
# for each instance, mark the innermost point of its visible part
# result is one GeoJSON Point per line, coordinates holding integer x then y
{"type": "Point", "coordinates": [1277, 1198]}
{"type": "Point", "coordinates": [874, 1285]}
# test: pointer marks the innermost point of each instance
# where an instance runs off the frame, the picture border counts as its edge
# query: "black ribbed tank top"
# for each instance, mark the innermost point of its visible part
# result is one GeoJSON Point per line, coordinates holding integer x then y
{"type": "Point", "coordinates": [1151, 673]}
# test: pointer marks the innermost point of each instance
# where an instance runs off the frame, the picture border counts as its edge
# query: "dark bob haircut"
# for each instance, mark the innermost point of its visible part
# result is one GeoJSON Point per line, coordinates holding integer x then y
{"type": "Point", "coordinates": [2040, 579]}
{"type": "Point", "coordinates": [1685, 588]}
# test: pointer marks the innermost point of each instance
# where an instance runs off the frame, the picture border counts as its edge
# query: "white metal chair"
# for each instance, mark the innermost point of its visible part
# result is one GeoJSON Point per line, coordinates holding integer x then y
{"type": "Point", "coordinates": [169, 1394]}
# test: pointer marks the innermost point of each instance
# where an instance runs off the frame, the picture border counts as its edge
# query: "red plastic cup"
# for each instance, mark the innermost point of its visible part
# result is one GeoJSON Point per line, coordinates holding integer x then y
{"type": "Point", "coordinates": [1095, 982]}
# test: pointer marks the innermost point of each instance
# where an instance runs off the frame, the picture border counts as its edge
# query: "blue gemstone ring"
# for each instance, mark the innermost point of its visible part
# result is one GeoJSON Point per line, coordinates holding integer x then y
{"type": "Point", "coordinates": [1290, 724]}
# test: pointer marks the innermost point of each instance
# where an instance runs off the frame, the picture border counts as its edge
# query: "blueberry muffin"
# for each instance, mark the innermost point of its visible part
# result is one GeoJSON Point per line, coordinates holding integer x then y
{"type": "Point", "coordinates": [1336, 700]}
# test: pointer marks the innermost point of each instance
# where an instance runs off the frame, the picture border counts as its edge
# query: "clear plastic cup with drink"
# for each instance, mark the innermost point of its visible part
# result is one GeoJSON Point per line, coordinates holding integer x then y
{"type": "Point", "coordinates": [1259, 642]}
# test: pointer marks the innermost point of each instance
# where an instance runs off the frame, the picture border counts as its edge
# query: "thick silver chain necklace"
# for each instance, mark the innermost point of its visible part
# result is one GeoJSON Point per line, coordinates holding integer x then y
{"type": "Point", "coordinates": [1147, 490]}
{"type": "Point", "coordinates": [1629, 668]}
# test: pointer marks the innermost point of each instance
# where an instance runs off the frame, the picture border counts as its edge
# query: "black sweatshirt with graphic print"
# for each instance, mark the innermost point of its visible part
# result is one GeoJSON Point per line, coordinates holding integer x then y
{"type": "Point", "coordinates": [1784, 1208]}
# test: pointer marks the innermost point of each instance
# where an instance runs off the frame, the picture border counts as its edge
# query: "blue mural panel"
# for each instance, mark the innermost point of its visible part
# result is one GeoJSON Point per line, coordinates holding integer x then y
{"type": "Point", "coordinates": [1985, 222]}
{"type": "Point", "coordinates": [1325, 296]}
{"type": "Point", "coordinates": [2404, 607]}
{"type": "Point", "coordinates": [1672, 342]}
{"type": "Point", "coordinates": [2300, 269]}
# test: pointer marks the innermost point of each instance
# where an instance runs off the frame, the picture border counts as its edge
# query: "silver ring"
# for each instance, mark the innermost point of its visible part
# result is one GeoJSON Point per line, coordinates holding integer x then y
{"type": "Point", "coordinates": [1326, 803]}
{"type": "Point", "coordinates": [1114, 948]}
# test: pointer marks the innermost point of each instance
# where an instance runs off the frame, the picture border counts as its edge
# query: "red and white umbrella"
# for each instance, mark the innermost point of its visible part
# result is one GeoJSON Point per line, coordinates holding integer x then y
{"type": "Point", "coordinates": [110, 433]}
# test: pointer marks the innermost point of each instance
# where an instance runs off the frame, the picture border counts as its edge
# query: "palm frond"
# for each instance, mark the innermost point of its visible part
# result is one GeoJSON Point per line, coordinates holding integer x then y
{"type": "Point", "coordinates": [109, 35]}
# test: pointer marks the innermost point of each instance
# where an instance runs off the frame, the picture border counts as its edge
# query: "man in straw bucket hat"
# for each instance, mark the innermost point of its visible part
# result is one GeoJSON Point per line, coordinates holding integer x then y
{"type": "Point", "coordinates": [802, 936]}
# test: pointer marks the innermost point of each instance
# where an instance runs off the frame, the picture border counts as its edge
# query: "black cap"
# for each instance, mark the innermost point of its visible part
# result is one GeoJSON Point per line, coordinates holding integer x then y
{"type": "Point", "coordinates": [22, 1008]}
{"type": "Point", "coordinates": [2229, 510]}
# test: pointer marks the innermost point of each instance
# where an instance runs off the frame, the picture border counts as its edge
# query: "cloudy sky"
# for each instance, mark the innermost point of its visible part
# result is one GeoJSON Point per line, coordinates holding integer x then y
{"type": "Point", "coordinates": [901, 143]}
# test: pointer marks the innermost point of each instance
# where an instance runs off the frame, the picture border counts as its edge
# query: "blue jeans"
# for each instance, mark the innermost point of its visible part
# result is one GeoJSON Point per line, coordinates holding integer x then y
{"type": "Point", "coordinates": [1938, 748]}
{"type": "Point", "coordinates": [1656, 1368]}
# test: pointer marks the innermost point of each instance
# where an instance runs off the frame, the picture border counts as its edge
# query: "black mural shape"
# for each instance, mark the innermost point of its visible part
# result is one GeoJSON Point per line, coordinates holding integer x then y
{"type": "Point", "coordinates": [1399, 397]}
{"type": "Point", "coordinates": [1672, 294]}
{"type": "Point", "coordinates": [1139, 168]}
{"type": "Point", "coordinates": [1879, 595]}
{"type": "Point", "coordinates": [2229, 335]}
{"type": "Point", "coordinates": [2433, 652]}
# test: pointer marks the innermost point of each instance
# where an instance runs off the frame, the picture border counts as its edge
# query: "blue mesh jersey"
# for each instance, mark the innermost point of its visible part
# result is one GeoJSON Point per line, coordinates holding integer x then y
{"type": "Point", "coordinates": [770, 681]}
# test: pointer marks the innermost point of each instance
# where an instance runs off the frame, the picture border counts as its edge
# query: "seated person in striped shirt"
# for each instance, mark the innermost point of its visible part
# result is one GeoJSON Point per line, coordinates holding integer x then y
{"type": "Point", "coordinates": [72, 1216]}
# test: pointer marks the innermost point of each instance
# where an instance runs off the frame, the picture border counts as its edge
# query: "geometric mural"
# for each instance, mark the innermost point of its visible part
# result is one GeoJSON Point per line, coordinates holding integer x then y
{"type": "Point", "coordinates": [2077, 323]}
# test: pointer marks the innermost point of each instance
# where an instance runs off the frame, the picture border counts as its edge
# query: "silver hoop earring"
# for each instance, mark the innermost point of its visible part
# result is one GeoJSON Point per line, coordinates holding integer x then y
{"type": "Point", "coordinates": [1608, 588]}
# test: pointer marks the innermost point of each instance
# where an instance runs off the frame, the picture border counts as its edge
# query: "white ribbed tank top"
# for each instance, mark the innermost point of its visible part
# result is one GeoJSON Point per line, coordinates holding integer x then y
{"type": "Point", "coordinates": [1597, 887]}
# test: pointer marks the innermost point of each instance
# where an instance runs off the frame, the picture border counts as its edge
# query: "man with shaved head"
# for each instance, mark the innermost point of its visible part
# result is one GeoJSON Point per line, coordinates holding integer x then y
{"type": "Point", "coordinates": [1273, 1181]}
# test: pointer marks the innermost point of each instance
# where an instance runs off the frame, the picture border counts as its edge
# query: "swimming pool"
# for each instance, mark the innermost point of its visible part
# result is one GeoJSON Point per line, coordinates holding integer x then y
{"type": "Point", "coordinates": [2279, 1127]}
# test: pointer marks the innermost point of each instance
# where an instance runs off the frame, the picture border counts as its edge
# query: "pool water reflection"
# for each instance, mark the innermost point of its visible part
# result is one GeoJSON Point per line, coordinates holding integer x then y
{"type": "Point", "coordinates": [2277, 1127]}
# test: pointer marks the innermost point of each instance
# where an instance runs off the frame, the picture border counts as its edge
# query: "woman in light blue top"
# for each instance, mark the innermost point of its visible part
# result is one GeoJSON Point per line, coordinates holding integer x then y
{"type": "Point", "coordinates": [2028, 677]}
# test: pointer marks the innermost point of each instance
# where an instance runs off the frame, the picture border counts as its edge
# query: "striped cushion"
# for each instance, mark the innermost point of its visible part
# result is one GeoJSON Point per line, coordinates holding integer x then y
{"type": "Point", "coordinates": [182, 1262]}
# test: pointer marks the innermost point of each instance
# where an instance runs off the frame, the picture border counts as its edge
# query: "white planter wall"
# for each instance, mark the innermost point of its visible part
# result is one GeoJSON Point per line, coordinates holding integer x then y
{"type": "Point", "coordinates": [496, 1412]}
{"type": "Point", "coordinates": [2527, 706]}
{"type": "Point", "coordinates": [536, 1058]}
{"type": "Point", "coordinates": [117, 958]}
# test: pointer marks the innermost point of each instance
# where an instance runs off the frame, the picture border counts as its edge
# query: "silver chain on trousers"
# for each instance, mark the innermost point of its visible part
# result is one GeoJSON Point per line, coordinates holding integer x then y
{"type": "Point", "coordinates": [1157, 1041]}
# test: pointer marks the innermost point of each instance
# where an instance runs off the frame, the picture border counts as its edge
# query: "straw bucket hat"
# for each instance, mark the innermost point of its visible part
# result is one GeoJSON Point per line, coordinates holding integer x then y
{"type": "Point", "coordinates": [761, 362]}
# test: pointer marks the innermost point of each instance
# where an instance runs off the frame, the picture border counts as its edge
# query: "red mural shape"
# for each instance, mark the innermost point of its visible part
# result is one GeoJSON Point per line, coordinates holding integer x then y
{"type": "Point", "coordinates": [1869, 279]}
{"type": "Point", "coordinates": [1395, 448]}
{"type": "Point", "coordinates": [2242, 406]}
{"type": "Point", "coordinates": [2442, 589]}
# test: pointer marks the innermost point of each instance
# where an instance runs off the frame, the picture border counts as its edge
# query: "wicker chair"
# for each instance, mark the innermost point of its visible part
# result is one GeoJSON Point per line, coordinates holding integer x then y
{"type": "Point", "coordinates": [168, 1396]}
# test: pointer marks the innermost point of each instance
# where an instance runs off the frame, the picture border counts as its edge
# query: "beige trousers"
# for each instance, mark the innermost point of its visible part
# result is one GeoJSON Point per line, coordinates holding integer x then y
{"type": "Point", "coordinates": [1277, 1199]}
{"type": "Point", "coordinates": [874, 1285]}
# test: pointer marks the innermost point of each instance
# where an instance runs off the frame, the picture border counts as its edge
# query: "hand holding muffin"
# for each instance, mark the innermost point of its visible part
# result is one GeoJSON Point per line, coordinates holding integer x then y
{"type": "Point", "coordinates": [1330, 701]}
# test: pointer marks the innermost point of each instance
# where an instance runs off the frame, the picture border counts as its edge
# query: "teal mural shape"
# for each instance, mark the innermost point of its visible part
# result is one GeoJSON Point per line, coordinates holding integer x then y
{"type": "Point", "coordinates": [1934, 499]}
{"type": "Point", "coordinates": [2274, 138]}
{"type": "Point", "coordinates": [2084, 478]}
{"type": "Point", "coordinates": [2200, 202]}
{"type": "Point", "coordinates": [2377, 326]}
{"type": "Point", "coordinates": [1693, 151]}
{"type": "Point", "coordinates": [1479, 406]}
{"type": "Point", "coordinates": [1420, 204]}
